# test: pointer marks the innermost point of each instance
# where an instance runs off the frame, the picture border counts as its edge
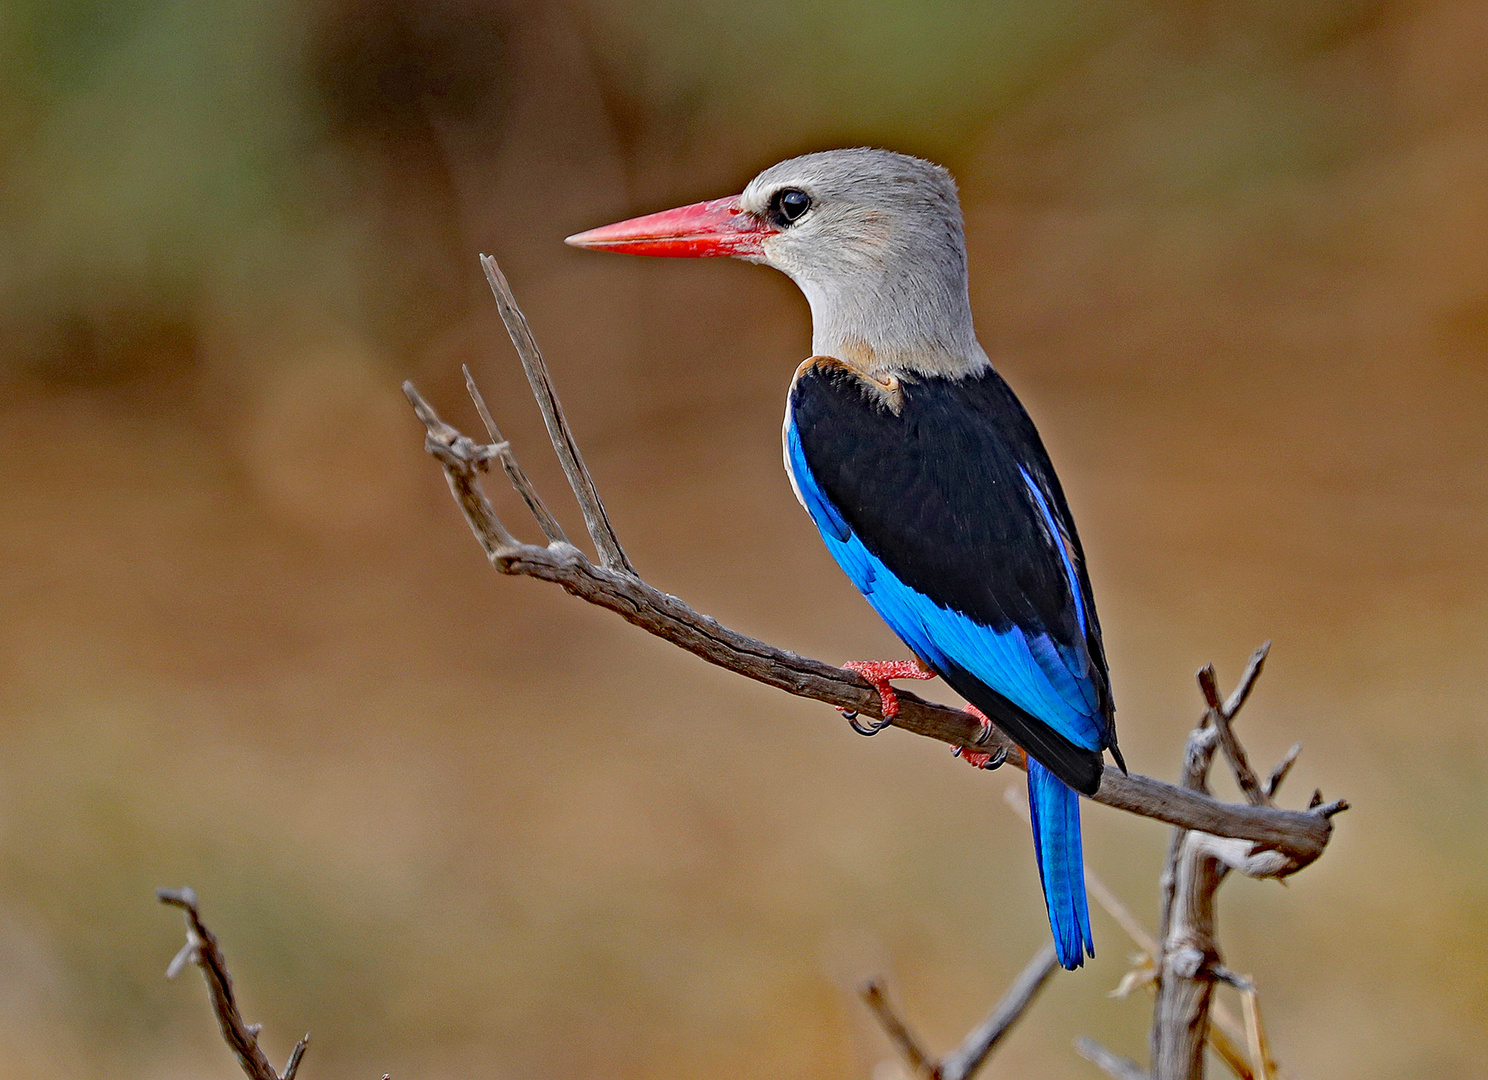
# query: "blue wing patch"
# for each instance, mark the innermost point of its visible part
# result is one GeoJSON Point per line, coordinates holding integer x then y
{"type": "Point", "coordinates": [1031, 670]}
{"type": "Point", "coordinates": [1061, 545]}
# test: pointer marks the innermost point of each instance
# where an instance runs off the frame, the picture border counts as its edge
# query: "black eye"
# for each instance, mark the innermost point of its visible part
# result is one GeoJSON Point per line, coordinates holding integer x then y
{"type": "Point", "coordinates": [788, 206]}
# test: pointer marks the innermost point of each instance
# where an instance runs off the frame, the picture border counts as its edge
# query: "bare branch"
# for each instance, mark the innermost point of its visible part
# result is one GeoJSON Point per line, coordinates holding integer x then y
{"type": "Point", "coordinates": [897, 1030]}
{"type": "Point", "coordinates": [611, 555]}
{"type": "Point", "coordinates": [1180, 1019]}
{"type": "Point", "coordinates": [1111, 1064]}
{"type": "Point", "coordinates": [514, 472]}
{"type": "Point", "coordinates": [1220, 715]}
{"type": "Point", "coordinates": [967, 1058]}
{"type": "Point", "coordinates": [202, 949]}
{"type": "Point", "coordinates": [1301, 835]}
{"type": "Point", "coordinates": [461, 457]}
{"type": "Point", "coordinates": [1120, 912]}
{"type": "Point", "coordinates": [1197, 864]}
{"type": "Point", "coordinates": [1199, 752]}
{"type": "Point", "coordinates": [1209, 687]}
{"type": "Point", "coordinates": [296, 1056]}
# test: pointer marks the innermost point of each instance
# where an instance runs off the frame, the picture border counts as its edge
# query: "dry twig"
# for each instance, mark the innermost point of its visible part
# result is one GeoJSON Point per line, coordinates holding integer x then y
{"type": "Point", "coordinates": [983, 1039]}
{"type": "Point", "coordinates": [201, 949]}
{"type": "Point", "coordinates": [979, 1043]}
{"type": "Point", "coordinates": [877, 999]}
{"type": "Point", "coordinates": [1109, 1063]}
{"type": "Point", "coordinates": [611, 555]}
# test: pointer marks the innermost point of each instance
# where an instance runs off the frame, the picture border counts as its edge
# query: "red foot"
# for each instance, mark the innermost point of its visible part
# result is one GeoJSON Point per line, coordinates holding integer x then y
{"type": "Point", "coordinates": [975, 758]}
{"type": "Point", "coordinates": [879, 672]}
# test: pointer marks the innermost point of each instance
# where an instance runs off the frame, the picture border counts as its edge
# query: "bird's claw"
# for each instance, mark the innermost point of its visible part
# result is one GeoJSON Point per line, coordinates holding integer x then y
{"type": "Point", "coordinates": [878, 673]}
{"type": "Point", "coordinates": [975, 758]}
{"type": "Point", "coordinates": [979, 760]}
{"type": "Point", "coordinates": [870, 727]}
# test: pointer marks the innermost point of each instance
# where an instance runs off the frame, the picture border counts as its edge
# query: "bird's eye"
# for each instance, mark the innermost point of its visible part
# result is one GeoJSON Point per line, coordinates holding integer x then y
{"type": "Point", "coordinates": [789, 205]}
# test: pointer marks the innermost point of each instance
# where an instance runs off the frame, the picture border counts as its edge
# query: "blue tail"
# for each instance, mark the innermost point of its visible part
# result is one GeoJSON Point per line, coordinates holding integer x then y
{"type": "Point", "coordinates": [1056, 844]}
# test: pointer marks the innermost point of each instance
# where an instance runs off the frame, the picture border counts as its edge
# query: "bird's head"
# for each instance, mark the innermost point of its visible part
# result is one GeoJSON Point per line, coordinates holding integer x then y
{"type": "Point", "coordinates": [873, 238]}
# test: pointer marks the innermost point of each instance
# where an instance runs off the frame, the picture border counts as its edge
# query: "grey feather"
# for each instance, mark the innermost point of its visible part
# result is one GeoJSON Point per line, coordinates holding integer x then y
{"type": "Point", "coordinates": [881, 257]}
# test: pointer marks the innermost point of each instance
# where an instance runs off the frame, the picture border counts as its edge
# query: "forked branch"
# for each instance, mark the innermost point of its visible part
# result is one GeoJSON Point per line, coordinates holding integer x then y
{"type": "Point", "coordinates": [979, 1043]}
{"type": "Point", "coordinates": [1189, 962]}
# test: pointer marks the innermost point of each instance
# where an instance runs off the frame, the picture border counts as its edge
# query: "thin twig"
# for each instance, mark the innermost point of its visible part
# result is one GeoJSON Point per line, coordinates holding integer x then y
{"type": "Point", "coordinates": [461, 457]}
{"type": "Point", "coordinates": [1120, 912]}
{"type": "Point", "coordinates": [1221, 716]}
{"type": "Point", "coordinates": [1255, 1033]}
{"type": "Point", "coordinates": [1327, 810]}
{"type": "Point", "coordinates": [611, 555]}
{"type": "Point", "coordinates": [967, 1058]}
{"type": "Point", "coordinates": [514, 471]}
{"type": "Point", "coordinates": [1248, 679]}
{"type": "Point", "coordinates": [1301, 836]}
{"type": "Point", "coordinates": [1245, 777]}
{"type": "Point", "coordinates": [1284, 766]}
{"type": "Point", "coordinates": [897, 1030]}
{"type": "Point", "coordinates": [202, 949]}
{"type": "Point", "coordinates": [1111, 1064]}
{"type": "Point", "coordinates": [979, 1043]}
{"type": "Point", "coordinates": [296, 1056]}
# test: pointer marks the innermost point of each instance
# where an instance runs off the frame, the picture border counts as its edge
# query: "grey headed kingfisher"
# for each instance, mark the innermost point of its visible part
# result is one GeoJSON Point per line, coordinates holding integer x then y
{"type": "Point", "coordinates": [923, 472]}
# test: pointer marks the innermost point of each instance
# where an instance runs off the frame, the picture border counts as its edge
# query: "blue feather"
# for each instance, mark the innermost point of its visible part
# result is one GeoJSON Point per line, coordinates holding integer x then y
{"type": "Point", "coordinates": [1061, 545]}
{"type": "Point", "coordinates": [1030, 669]}
{"type": "Point", "coordinates": [1055, 809]}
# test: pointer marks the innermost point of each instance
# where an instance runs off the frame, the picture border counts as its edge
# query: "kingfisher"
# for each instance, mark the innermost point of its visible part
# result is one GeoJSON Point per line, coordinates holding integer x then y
{"type": "Point", "coordinates": [923, 472]}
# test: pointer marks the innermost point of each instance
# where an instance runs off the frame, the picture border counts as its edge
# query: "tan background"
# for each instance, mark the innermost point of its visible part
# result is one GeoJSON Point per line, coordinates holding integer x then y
{"type": "Point", "coordinates": [1233, 255]}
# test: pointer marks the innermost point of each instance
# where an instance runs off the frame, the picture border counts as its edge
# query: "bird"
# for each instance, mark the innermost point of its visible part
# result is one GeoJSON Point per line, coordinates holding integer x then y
{"type": "Point", "coordinates": [923, 472]}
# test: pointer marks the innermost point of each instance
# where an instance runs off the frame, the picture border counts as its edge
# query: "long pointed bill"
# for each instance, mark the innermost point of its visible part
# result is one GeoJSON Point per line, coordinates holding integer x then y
{"type": "Point", "coordinates": [717, 227]}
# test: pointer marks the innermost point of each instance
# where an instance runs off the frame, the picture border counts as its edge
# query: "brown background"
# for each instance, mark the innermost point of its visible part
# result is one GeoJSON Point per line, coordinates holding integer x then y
{"type": "Point", "coordinates": [1233, 255]}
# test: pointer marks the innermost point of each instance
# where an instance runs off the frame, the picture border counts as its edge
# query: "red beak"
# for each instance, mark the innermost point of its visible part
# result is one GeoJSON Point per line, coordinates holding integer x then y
{"type": "Point", "coordinates": [717, 227]}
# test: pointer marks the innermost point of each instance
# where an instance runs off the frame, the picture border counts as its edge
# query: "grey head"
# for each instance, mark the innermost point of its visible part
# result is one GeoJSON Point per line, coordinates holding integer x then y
{"type": "Point", "coordinates": [873, 238]}
{"type": "Point", "coordinates": [875, 241]}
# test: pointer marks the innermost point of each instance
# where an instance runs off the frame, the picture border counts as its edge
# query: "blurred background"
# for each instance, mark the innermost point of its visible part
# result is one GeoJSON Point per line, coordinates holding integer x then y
{"type": "Point", "coordinates": [1233, 255]}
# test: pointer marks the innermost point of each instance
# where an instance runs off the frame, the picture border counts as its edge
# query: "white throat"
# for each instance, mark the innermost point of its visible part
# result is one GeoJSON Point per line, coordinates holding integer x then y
{"type": "Point", "coordinates": [893, 326]}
